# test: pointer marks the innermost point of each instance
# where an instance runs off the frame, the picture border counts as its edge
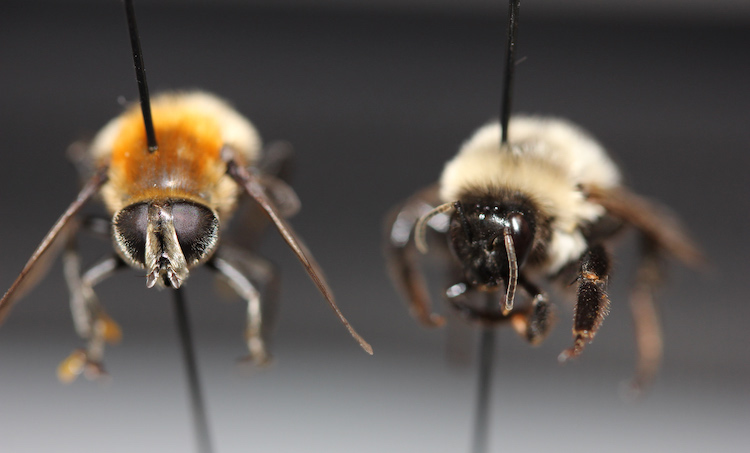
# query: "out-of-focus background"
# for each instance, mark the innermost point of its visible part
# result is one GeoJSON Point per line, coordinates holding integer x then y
{"type": "Point", "coordinates": [376, 96]}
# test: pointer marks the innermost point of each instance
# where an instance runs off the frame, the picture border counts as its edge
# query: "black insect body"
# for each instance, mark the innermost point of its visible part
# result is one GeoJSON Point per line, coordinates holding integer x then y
{"type": "Point", "coordinates": [526, 199]}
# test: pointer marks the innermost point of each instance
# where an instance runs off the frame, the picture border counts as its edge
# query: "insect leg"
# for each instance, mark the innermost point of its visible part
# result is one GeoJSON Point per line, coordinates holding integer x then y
{"type": "Point", "coordinates": [593, 303]}
{"type": "Point", "coordinates": [534, 324]}
{"type": "Point", "coordinates": [458, 296]}
{"type": "Point", "coordinates": [252, 185]}
{"type": "Point", "coordinates": [91, 321]}
{"type": "Point", "coordinates": [50, 245]}
{"type": "Point", "coordinates": [403, 257]}
{"type": "Point", "coordinates": [233, 266]}
{"type": "Point", "coordinates": [645, 316]}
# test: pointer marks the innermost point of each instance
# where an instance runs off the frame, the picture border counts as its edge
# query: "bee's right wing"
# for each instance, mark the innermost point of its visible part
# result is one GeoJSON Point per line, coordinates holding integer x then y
{"type": "Point", "coordinates": [661, 233]}
{"type": "Point", "coordinates": [651, 219]}
{"type": "Point", "coordinates": [45, 253]}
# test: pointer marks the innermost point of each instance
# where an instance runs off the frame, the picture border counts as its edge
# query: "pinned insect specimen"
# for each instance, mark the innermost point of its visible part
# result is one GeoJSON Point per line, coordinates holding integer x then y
{"type": "Point", "coordinates": [170, 175]}
{"type": "Point", "coordinates": [526, 199]}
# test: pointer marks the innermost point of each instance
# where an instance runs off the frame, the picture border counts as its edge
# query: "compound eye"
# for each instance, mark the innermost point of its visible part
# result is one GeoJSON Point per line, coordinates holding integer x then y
{"type": "Point", "coordinates": [522, 232]}
{"type": "Point", "coordinates": [130, 225]}
{"type": "Point", "coordinates": [197, 229]}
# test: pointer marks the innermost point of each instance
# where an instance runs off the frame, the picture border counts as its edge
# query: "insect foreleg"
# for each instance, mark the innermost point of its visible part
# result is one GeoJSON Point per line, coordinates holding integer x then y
{"type": "Point", "coordinates": [251, 183]}
{"type": "Point", "coordinates": [91, 321]}
{"type": "Point", "coordinates": [50, 245]}
{"type": "Point", "coordinates": [534, 323]}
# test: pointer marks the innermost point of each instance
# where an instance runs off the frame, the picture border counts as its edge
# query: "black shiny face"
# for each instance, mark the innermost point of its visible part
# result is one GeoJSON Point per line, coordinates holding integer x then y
{"type": "Point", "coordinates": [477, 234]}
{"type": "Point", "coordinates": [195, 225]}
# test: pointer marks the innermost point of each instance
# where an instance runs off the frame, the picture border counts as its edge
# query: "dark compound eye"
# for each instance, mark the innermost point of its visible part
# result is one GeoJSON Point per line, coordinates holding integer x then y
{"type": "Point", "coordinates": [130, 226]}
{"type": "Point", "coordinates": [522, 232]}
{"type": "Point", "coordinates": [197, 229]}
{"type": "Point", "coordinates": [196, 226]}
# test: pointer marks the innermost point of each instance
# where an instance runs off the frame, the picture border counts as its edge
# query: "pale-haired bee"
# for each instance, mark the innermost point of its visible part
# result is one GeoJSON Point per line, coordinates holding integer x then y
{"type": "Point", "coordinates": [541, 201]}
{"type": "Point", "coordinates": [170, 189]}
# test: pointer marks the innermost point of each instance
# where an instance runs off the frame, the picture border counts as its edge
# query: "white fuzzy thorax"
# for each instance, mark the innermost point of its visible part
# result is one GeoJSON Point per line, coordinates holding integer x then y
{"type": "Point", "coordinates": [549, 160]}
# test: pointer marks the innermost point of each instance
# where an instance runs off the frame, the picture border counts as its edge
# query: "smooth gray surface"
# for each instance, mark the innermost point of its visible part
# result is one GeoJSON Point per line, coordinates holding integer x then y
{"type": "Point", "coordinates": [374, 105]}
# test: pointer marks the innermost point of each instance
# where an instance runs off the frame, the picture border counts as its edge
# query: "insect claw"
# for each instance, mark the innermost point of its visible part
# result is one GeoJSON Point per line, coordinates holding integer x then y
{"type": "Point", "coordinates": [632, 390]}
{"type": "Point", "coordinates": [434, 320]}
{"type": "Point", "coordinates": [255, 361]}
{"type": "Point", "coordinates": [108, 329]}
{"type": "Point", "coordinates": [249, 365]}
{"type": "Point", "coordinates": [77, 363]}
{"type": "Point", "coordinates": [578, 345]}
{"type": "Point", "coordinates": [258, 353]}
{"type": "Point", "coordinates": [566, 355]}
{"type": "Point", "coordinates": [71, 366]}
{"type": "Point", "coordinates": [94, 371]}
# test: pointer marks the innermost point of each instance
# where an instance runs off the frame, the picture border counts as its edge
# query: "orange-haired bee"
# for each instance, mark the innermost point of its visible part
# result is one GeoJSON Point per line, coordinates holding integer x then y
{"type": "Point", "coordinates": [525, 199]}
{"type": "Point", "coordinates": [170, 188]}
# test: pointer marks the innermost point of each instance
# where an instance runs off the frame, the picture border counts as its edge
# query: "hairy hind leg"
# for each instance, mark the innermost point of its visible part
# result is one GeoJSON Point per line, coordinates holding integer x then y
{"type": "Point", "coordinates": [592, 301]}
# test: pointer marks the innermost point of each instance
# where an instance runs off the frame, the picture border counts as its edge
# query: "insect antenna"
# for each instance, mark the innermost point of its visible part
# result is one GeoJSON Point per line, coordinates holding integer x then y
{"type": "Point", "coordinates": [512, 270]}
{"type": "Point", "coordinates": [140, 75]}
{"type": "Point", "coordinates": [420, 228]}
{"type": "Point", "coordinates": [510, 66]}
{"type": "Point", "coordinates": [198, 407]}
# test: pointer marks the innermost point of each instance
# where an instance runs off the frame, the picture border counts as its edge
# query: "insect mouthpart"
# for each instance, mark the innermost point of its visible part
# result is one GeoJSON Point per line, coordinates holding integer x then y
{"type": "Point", "coordinates": [166, 238]}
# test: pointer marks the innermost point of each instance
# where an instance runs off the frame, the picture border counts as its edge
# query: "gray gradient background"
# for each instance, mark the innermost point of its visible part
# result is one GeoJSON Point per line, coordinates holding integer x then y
{"type": "Point", "coordinates": [374, 102]}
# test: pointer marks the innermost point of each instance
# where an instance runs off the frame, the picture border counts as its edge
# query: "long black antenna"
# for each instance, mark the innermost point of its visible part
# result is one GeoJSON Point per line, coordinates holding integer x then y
{"type": "Point", "coordinates": [140, 75]}
{"type": "Point", "coordinates": [198, 408]}
{"type": "Point", "coordinates": [510, 66]}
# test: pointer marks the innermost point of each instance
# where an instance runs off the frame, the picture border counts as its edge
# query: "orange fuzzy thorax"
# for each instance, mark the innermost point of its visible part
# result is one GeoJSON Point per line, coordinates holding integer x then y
{"type": "Point", "coordinates": [186, 165]}
{"type": "Point", "coordinates": [192, 128]}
